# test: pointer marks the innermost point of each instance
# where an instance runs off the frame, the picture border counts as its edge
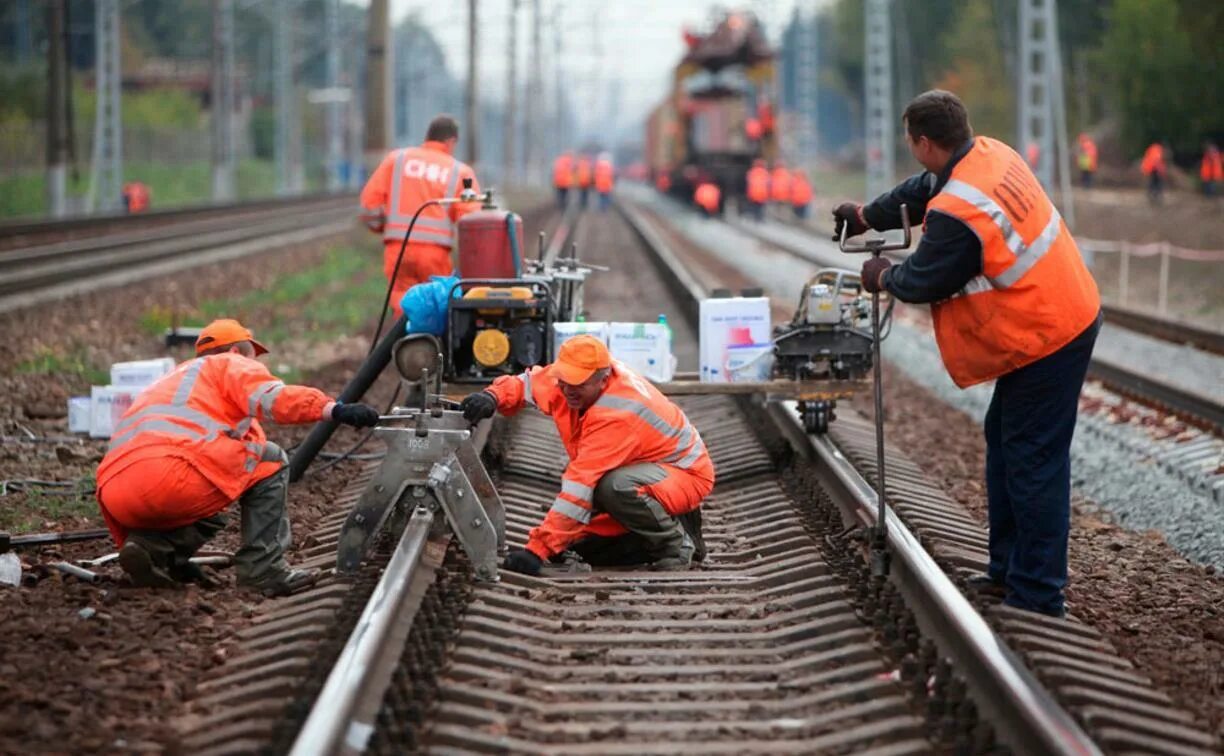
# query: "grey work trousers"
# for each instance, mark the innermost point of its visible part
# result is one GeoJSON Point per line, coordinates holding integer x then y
{"type": "Point", "coordinates": [653, 533]}
{"type": "Point", "coordinates": [265, 531]}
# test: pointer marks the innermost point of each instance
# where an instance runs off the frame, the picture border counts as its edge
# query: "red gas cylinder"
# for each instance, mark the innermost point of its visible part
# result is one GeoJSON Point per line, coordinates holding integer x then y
{"type": "Point", "coordinates": [490, 244]}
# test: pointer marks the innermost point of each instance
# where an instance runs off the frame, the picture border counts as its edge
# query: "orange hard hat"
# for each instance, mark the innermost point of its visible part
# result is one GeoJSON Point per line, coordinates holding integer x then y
{"type": "Point", "coordinates": [222, 333]}
{"type": "Point", "coordinates": [579, 358]}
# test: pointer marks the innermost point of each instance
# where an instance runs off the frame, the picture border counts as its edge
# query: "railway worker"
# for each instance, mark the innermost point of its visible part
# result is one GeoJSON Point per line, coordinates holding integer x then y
{"type": "Point", "coordinates": [582, 178]}
{"type": "Point", "coordinates": [1087, 158]}
{"type": "Point", "coordinates": [663, 182]}
{"type": "Point", "coordinates": [605, 177]}
{"type": "Point", "coordinates": [708, 197]}
{"type": "Point", "coordinates": [190, 445]}
{"type": "Point", "coordinates": [1211, 170]}
{"type": "Point", "coordinates": [563, 177]}
{"type": "Point", "coordinates": [135, 197]}
{"type": "Point", "coordinates": [638, 469]}
{"type": "Point", "coordinates": [801, 193]}
{"type": "Point", "coordinates": [402, 183]}
{"type": "Point", "coordinates": [780, 185]}
{"type": "Point", "coordinates": [757, 183]}
{"type": "Point", "coordinates": [1011, 302]}
{"type": "Point", "coordinates": [1154, 168]}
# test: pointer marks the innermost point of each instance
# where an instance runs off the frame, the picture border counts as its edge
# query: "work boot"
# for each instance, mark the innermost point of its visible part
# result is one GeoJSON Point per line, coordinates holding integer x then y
{"type": "Point", "coordinates": [986, 586]}
{"type": "Point", "coordinates": [681, 560]}
{"type": "Point", "coordinates": [190, 572]}
{"type": "Point", "coordinates": [286, 583]}
{"type": "Point", "coordinates": [142, 569]}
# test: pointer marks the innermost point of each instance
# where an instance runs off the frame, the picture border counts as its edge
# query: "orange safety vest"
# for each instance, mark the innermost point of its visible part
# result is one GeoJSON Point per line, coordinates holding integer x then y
{"type": "Point", "coordinates": [1088, 155]}
{"type": "Point", "coordinates": [207, 412]}
{"type": "Point", "coordinates": [1212, 168]}
{"type": "Point", "coordinates": [563, 172]}
{"type": "Point", "coordinates": [405, 180]}
{"type": "Point", "coordinates": [758, 184]}
{"type": "Point", "coordinates": [583, 173]}
{"type": "Point", "coordinates": [1153, 160]}
{"type": "Point", "coordinates": [707, 196]}
{"type": "Point", "coordinates": [663, 182]}
{"type": "Point", "coordinates": [137, 195]}
{"type": "Point", "coordinates": [780, 185]}
{"type": "Point", "coordinates": [801, 190]}
{"type": "Point", "coordinates": [604, 176]}
{"type": "Point", "coordinates": [1034, 294]}
{"type": "Point", "coordinates": [631, 423]}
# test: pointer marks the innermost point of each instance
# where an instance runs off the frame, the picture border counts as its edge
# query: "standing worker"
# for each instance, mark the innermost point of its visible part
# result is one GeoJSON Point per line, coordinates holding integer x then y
{"type": "Point", "coordinates": [190, 445]}
{"type": "Point", "coordinates": [1087, 160]}
{"type": "Point", "coordinates": [758, 188]}
{"type": "Point", "coordinates": [1154, 168]}
{"type": "Point", "coordinates": [582, 178]}
{"type": "Point", "coordinates": [638, 470]}
{"type": "Point", "coordinates": [708, 197]}
{"type": "Point", "coordinates": [1211, 170]}
{"type": "Point", "coordinates": [563, 178]}
{"type": "Point", "coordinates": [1011, 302]}
{"type": "Point", "coordinates": [135, 197]}
{"type": "Point", "coordinates": [402, 183]}
{"type": "Point", "coordinates": [605, 177]}
{"type": "Point", "coordinates": [780, 185]}
{"type": "Point", "coordinates": [801, 193]}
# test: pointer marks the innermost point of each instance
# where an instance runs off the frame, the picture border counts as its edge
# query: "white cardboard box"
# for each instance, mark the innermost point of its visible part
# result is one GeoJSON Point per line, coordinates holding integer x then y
{"type": "Point", "coordinates": [735, 320]}
{"type": "Point", "coordinates": [107, 404]}
{"type": "Point", "coordinates": [78, 414]}
{"type": "Point", "coordinates": [140, 373]}
{"type": "Point", "coordinates": [567, 330]}
{"type": "Point", "coordinates": [644, 347]}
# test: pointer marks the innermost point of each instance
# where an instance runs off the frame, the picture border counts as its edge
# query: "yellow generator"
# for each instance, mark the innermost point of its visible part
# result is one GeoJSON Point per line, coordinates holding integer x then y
{"type": "Point", "coordinates": [497, 327]}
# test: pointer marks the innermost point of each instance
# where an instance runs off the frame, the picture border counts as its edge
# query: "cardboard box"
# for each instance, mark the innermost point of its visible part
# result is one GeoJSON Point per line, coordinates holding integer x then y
{"type": "Point", "coordinates": [564, 331]}
{"type": "Point", "coordinates": [106, 406]}
{"type": "Point", "coordinates": [78, 414]}
{"type": "Point", "coordinates": [644, 347]}
{"type": "Point", "coordinates": [140, 373]}
{"type": "Point", "coordinates": [734, 321]}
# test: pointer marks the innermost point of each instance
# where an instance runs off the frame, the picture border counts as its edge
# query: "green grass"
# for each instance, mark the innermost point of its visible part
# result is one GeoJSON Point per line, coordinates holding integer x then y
{"type": "Point", "coordinates": [75, 363]}
{"type": "Point", "coordinates": [26, 510]}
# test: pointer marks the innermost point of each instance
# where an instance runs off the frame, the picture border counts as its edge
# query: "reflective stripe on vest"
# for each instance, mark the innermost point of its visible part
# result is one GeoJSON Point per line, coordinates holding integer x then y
{"type": "Point", "coordinates": [684, 435]}
{"type": "Point", "coordinates": [264, 396]}
{"type": "Point", "coordinates": [571, 510]}
{"type": "Point", "coordinates": [430, 229]}
{"type": "Point", "coordinates": [577, 490]}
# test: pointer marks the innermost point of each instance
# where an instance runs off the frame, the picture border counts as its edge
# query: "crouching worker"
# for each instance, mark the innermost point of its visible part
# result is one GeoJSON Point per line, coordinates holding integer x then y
{"type": "Point", "coordinates": [638, 469]}
{"type": "Point", "coordinates": [190, 445]}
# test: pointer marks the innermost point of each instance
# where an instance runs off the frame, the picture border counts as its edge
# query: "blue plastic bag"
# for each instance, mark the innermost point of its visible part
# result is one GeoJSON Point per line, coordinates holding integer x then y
{"type": "Point", "coordinates": [425, 304]}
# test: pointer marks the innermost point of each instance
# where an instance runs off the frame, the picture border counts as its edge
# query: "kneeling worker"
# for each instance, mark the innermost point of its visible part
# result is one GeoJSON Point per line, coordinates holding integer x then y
{"type": "Point", "coordinates": [191, 444]}
{"type": "Point", "coordinates": [638, 469]}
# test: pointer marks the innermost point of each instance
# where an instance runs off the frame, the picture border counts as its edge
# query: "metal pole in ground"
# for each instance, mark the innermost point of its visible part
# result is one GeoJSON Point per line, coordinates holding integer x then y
{"type": "Point", "coordinates": [471, 109]}
{"type": "Point", "coordinates": [57, 109]}
{"type": "Point", "coordinates": [1163, 305]}
{"type": "Point", "coordinates": [508, 158]}
{"type": "Point", "coordinates": [1124, 273]}
{"type": "Point", "coordinates": [334, 149]}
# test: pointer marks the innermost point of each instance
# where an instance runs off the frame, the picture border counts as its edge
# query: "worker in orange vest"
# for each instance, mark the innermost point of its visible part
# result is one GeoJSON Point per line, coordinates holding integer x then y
{"type": "Point", "coordinates": [1087, 160]}
{"type": "Point", "coordinates": [638, 469]}
{"type": "Point", "coordinates": [563, 177]}
{"type": "Point", "coordinates": [404, 181]}
{"type": "Point", "coordinates": [190, 445]}
{"type": "Point", "coordinates": [663, 182]}
{"type": "Point", "coordinates": [605, 177]}
{"type": "Point", "coordinates": [1032, 154]}
{"type": "Point", "coordinates": [1011, 302]}
{"type": "Point", "coordinates": [757, 188]}
{"type": "Point", "coordinates": [135, 197]}
{"type": "Point", "coordinates": [753, 130]}
{"type": "Point", "coordinates": [1211, 170]}
{"type": "Point", "coordinates": [708, 197]}
{"type": "Point", "coordinates": [1154, 167]}
{"type": "Point", "coordinates": [780, 184]}
{"type": "Point", "coordinates": [801, 193]}
{"type": "Point", "coordinates": [582, 178]}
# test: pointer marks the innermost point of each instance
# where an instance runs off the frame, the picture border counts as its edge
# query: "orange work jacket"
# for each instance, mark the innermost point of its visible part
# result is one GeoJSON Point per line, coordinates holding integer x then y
{"type": "Point", "coordinates": [707, 196]}
{"type": "Point", "coordinates": [1153, 160]}
{"type": "Point", "coordinates": [780, 185]}
{"type": "Point", "coordinates": [137, 196]}
{"type": "Point", "coordinates": [1212, 167]}
{"type": "Point", "coordinates": [582, 174]}
{"type": "Point", "coordinates": [563, 172]}
{"type": "Point", "coordinates": [604, 176]}
{"type": "Point", "coordinates": [403, 182]}
{"type": "Point", "coordinates": [1034, 294]}
{"type": "Point", "coordinates": [801, 190]}
{"type": "Point", "coordinates": [758, 184]}
{"type": "Point", "coordinates": [631, 423]}
{"type": "Point", "coordinates": [207, 412]}
{"type": "Point", "coordinates": [663, 182]}
{"type": "Point", "coordinates": [1088, 155]}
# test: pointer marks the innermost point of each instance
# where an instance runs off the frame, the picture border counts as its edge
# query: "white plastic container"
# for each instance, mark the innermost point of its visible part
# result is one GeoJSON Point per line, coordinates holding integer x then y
{"type": "Point", "coordinates": [749, 363]}
{"type": "Point", "coordinates": [738, 321]}
{"type": "Point", "coordinates": [78, 414]}
{"type": "Point", "coordinates": [140, 373]}
{"type": "Point", "coordinates": [644, 347]}
{"type": "Point", "coordinates": [107, 405]}
{"type": "Point", "coordinates": [565, 331]}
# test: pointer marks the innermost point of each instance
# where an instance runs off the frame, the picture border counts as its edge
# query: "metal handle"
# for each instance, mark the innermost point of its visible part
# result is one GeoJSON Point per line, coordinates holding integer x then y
{"type": "Point", "coordinates": [880, 244]}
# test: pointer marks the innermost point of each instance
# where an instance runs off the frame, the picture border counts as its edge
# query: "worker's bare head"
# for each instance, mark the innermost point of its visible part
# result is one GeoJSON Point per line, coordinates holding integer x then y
{"type": "Point", "coordinates": [936, 124]}
{"type": "Point", "coordinates": [444, 129]}
{"type": "Point", "coordinates": [580, 396]}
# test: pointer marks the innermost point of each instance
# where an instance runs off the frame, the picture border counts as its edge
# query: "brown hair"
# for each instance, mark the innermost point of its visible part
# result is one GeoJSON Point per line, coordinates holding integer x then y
{"type": "Point", "coordinates": [939, 116]}
{"type": "Point", "coordinates": [442, 128]}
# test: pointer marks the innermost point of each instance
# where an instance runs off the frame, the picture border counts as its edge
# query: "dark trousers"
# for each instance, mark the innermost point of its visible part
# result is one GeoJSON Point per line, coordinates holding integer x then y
{"type": "Point", "coordinates": [562, 198]}
{"type": "Point", "coordinates": [1028, 473]}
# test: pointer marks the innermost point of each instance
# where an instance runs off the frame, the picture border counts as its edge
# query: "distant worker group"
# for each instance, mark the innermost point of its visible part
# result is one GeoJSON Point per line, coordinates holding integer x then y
{"type": "Point", "coordinates": [781, 186]}
{"type": "Point", "coordinates": [581, 173]}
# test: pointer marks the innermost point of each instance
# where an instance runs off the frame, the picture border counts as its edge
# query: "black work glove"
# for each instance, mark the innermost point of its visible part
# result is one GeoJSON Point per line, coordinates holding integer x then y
{"type": "Point", "coordinates": [478, 406]}
{"type": "Point", "coordinates": [524, 561]}
{"type": "Point", "coordinates": [356, 415]}
{"type": "Point", "coordinates": [848, 214]}
{"type": "Point", "coordinates": [872, 269]}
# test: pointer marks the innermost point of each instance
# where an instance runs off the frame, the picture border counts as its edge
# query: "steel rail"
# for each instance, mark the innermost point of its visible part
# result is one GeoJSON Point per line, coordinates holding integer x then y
{"type": "Point", "coordinates": [1165, 329]}
{"type": "Point", "coordinates": [1193, 407]}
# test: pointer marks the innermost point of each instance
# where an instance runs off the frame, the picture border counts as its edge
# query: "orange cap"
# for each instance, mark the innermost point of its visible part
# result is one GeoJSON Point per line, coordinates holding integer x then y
{"type": "Point", "coordinates": [579, 358]}
{"type": "Point", "coordinates": [224, 332]}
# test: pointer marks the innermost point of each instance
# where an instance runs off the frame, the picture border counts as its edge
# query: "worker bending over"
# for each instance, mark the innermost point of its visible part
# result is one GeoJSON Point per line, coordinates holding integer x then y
{"type": "Point", "coordinates": [638, 469]}
{"type": "Point", "coordinates": [1012, 302]}
{"type": "Point", "coordinates": [190, 445]}
{"type": "Point", "coordinates": [404, 181]}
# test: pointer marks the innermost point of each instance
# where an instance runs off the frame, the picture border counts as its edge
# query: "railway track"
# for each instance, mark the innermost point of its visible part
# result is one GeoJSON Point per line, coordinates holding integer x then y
{"type": "Point", "coordinates": [782, 642]}
{"type": "Point", "coordinates": [162, 244]}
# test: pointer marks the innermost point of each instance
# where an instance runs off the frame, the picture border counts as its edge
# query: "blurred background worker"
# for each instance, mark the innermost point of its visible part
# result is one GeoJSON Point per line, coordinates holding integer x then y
{"type": "Point", "coordinates": [402, 183]}
{"type": "Point", "coordinates": [582, 179]}
{"type": "Point", "coordinates": [1211, 170]}
{"type": "Point", "coordinates": [1086, 155]}
{"type": "Point", "coordinates": [1011, 302]}
{"type": "Point", "coordinates": [801, 193]}
{"type": "Point", "coordinates": [638, 470]}
{"type": "Point", "coordinates": [757, 189]}
{"type": "Point", "coordinates": [190, 445]}
{"type": "Point", "coordinates": [563, 177]}
{"type": "Point", "coordinates": [1154, 168]}
{"type": "Point", "coordinates": [605, 177]}
{"type": "Point", "coordinates": [707, 196]}
{"type": "Point", "coordinates": [780, 185]}
{"type": "Point", "coordinates": [135, 197]}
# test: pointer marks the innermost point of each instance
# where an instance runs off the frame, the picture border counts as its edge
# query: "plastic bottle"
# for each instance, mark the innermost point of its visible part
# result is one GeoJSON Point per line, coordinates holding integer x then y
{"type": "Point", "coordinates": [671, 351]}
{"type": "Point", "coordinates": [580, 319]}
